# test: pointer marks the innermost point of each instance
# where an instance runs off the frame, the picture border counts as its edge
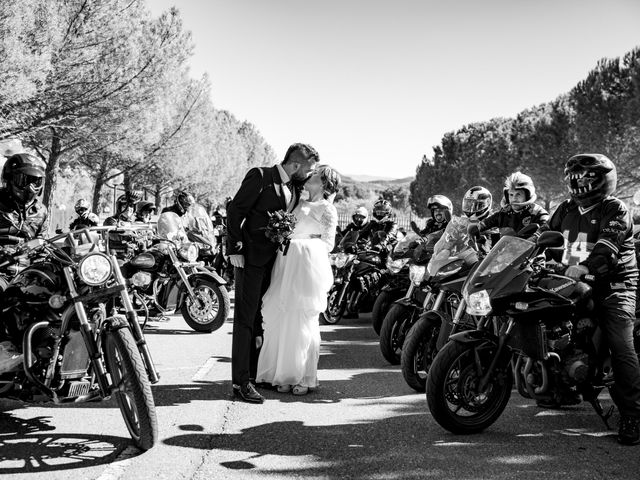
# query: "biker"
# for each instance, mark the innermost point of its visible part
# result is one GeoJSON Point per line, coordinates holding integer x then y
{"type": "Point", "coordinates": [359, 220]}
{"type": "Point", "coordinates": [476, 206]}
{"type": "Point", "coordinates": [86, 218]}
{"type": "Point", "coordinates": [598, 229]}
{"type": "Point", "coordinates": [382, 230]}
{"type": "Point", "coordinates": [519, 208]}
{"type": "Point", "coordinates": [441, 211]}
{"type": "Point", "coordinates": [23, 217]}
{"type": "Point", "coordinates": [183, 200]}
{"type": "Point", "coordinates": [120, 242]}
{"type": "Point", "coordinates": [144, 211]}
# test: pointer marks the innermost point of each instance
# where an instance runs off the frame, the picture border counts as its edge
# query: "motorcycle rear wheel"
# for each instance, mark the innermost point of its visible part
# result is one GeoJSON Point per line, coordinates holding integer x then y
{"type": "Point", "coordinates": [452, 393]}
{"type": "Point", "coordinates": [133, 389]}
{"type": "Point", "coordinates": [216, 310]}
{"type": "Point", "coordinates": [392, 333]}
{"type": "Point", "coordinates": [418, 352]}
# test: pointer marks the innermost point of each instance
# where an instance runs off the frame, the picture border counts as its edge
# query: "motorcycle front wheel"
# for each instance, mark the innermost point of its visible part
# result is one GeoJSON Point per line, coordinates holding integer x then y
{"type": "Point", "coordinates": [453, 394]}
{"type": "Point", "coordinates": [381, 307]}
{"type": "Point", "coordinates": [393, 332]}
{"type": "Point", "coordinates": [418, 351]}
{"type": "Point", "coordinates": [132, 387]}
{"type": "Point", "coordinates": [334, 312]}
{"type": "Point", "coordinates": [209, 310]}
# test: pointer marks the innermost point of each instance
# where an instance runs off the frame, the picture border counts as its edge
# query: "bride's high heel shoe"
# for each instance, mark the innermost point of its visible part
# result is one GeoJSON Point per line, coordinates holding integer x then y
{"type": "Point", "coordinates": [300, 390]}
{"type": "Point", "coordinates": [284, 388]}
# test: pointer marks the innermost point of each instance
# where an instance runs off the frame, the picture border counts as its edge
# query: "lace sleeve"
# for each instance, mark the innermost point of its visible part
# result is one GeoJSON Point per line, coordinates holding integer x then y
{"type": "Point", "coordinates": [329, 222]}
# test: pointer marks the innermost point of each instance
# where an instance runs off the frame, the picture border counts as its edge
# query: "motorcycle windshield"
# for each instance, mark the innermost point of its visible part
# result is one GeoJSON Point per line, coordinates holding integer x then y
{"type": "Point", "coordinates": [409, 242]}
{"type": "Point", "coordinates": [349, 240]}
{"type": "Point", "coordinates": [508, 252]}
{"type": "Point", "coordinates": [170, 227]}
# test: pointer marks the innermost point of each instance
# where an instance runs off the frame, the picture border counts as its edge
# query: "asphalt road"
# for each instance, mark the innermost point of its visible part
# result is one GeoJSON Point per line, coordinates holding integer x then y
{"type": "Point", "coordinates": [363, 422]}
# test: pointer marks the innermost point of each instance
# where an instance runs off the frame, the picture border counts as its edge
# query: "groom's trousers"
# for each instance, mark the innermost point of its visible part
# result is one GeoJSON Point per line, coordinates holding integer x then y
{"type": "Point", "coordinates": [251, 282]}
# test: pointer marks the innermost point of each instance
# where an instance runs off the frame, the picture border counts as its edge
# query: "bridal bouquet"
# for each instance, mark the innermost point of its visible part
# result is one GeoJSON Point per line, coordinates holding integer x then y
{"type": "Point", "coordinates": [280, 228]}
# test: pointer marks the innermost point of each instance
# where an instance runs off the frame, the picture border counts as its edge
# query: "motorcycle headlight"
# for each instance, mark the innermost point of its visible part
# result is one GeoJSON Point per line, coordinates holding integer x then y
{"type": "Point", "coordinates": [189, 252]}
{"type": "Point", "coordinates": [395, 266]}
{"type": "Point", "coordinates": [478, 303]}
{"type": "Point", "coordinates": [141, 279]}
{"type": "Point", "coordinates": [95, 269]}
{"type": "Point", "coordinates": [416, 273]}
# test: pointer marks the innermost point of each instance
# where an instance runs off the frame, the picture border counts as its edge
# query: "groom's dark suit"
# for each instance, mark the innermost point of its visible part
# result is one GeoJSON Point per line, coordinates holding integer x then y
{"type": "Point", "coordinates": [261, 192]}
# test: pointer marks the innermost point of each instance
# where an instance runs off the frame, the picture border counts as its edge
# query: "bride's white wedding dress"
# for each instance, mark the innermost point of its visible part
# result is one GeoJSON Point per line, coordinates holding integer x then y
{"type": "Point", "coordinates": [297, 294]}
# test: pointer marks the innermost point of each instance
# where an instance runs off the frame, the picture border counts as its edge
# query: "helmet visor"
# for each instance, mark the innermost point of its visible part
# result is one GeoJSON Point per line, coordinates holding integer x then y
{"type": "Point", "coordinates": [474, 205]}
{"type": "Point", "coordinates": [22, 180]}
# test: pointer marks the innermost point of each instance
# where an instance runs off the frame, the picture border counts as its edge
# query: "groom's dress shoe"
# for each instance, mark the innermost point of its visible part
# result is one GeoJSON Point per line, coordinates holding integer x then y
{"type": "Point", "coordinates": [248, 393]}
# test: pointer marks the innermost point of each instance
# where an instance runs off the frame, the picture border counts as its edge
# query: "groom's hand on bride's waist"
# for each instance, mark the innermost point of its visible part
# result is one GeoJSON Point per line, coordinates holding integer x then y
{"type": "Point", "coordinates": [237, 260]}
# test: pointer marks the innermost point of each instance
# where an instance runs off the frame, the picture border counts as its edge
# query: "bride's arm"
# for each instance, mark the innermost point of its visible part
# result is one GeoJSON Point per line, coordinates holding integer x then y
{"type": "Point", "coordinates": [329, 221]}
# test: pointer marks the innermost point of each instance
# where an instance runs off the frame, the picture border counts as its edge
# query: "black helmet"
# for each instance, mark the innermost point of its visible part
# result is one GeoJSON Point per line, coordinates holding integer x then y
{"type": "Point", "coordinates": [476, 203]}
{"type": "Point", "coordinates": [381, 209]}
{"type": "Point", "coordinates": [590, 177]}
{"type": "Point", "coordinates": [23, 174]}
{"type": "Point", "coordinates": [440, 201]}
{"type": "Point", "coordinates": [124, 201]}
{"type": "Point", "coordinates": [184, 200]}
{"type": "Point", "coordinates": [146, 207]}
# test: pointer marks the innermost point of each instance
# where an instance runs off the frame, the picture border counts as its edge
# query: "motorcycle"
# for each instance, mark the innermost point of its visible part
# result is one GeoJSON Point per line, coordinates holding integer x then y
{"type": "Point", "coordinates": [404, 313]}
{"type": "Point", "coordinates": [547, 340]}
{"type": "Point", "coordinates": [395, 280]}
{"type": "Point", "coordinates": [356, 281]}
{"type": "Point", "coordinates": [167, 278]}
{"type": "Point", "coordinates": [74, 350]}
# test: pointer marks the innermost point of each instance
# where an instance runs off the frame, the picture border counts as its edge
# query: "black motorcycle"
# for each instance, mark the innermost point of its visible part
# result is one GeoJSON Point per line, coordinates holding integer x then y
{"type": "Point", "coordinates": [167, 278]}
{"type": "Point", "coordinates": [358, 269]}
{"type": "Point", "coordinates": [395, 280]}
{"type": "Point", "coordinates": [445, 278]}
{"type": "Point", "coordinates": [73, 349]}
{"type": "Point", "coordinates": [548, 340]}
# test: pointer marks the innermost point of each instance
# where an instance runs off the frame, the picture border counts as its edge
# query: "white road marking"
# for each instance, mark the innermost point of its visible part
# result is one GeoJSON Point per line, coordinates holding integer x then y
{"type": "Point", "coordinates": [204, 369]}
{"type": "Point", "coordinates": [116, 469]}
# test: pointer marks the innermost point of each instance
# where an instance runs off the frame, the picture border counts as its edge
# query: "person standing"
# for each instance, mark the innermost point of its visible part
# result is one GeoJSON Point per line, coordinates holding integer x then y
{"type": "Point", "coordinates": [264, 190]}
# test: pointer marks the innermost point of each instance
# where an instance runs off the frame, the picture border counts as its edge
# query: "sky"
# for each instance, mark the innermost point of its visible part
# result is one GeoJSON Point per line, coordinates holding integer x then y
{"type": "Point", "coordinates": [373, 85]}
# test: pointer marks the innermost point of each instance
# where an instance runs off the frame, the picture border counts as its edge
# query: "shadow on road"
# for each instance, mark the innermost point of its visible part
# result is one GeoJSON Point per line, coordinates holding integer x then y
{"type": "Point", "coordinates": [558, 448]}
{"type": "Point", "coordinates": [23, 449]}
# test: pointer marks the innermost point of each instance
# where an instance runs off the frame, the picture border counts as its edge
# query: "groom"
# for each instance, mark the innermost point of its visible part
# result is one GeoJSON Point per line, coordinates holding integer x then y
{"type": "Point", "coordinates": [263, 190]}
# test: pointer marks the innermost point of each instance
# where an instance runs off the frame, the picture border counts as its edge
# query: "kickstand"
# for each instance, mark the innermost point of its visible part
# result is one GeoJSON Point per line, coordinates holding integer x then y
{"type": "Point", "coordinates": [605, 416]}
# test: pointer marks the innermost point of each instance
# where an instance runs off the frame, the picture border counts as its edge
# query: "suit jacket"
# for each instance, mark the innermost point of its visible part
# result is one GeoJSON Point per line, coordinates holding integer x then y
{"type": "Point", "coordinates": [248, 214]}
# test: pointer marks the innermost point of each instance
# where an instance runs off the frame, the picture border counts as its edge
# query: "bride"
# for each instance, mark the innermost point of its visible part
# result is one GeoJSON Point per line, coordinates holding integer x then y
{"type": "Point", "coordinates": [297, 294]}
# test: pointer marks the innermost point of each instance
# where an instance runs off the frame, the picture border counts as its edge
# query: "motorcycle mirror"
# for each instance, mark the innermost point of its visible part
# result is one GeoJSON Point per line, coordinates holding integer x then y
{"type": "Point", "coordinates": [550, 240]}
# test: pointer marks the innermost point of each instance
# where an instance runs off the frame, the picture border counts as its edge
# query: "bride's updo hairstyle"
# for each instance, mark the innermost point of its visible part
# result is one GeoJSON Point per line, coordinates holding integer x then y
{"type": "Point", "coordinates": [330, 180]}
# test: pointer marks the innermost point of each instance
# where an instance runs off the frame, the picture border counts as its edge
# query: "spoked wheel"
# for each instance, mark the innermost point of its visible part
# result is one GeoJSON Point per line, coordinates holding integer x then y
{"type": "Point", "coordinates": [133, 390]}
{"type": "Point", "coordinates": [393, 332]}
{"type": "Point", "coordinates": [334, 312]}
{"type": "Point", "coordinates": [209, 309]}
{"type": "Point", "coordinates": [453, 387]}
{"type": "Point", "coordinates": [418, 352]}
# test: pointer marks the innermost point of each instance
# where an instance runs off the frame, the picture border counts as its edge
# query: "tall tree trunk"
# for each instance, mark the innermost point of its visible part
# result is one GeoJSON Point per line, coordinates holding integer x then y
{"type": "Point", "coordinates": [51, 174]}
{"type": "Point", "coordinates": [158, 197]}
{"type": "Point", "coordinates": [97, 189]}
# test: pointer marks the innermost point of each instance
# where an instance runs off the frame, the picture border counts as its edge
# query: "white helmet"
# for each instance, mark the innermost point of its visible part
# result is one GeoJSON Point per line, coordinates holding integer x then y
{"type": "Point", "coordinates": [517, 181]}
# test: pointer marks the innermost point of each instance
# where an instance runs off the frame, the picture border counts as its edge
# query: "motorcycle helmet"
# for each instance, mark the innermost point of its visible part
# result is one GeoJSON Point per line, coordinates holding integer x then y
{"type": "Point", "coordinates": [440, 201]}
{"type": "Point", "coordinates": [24, 174]}
{"type": "Point", "coordinates": [184, 200]}
{"type": "Point", "coordinates": [360, 216]}
{"type": "Point", "coordinates": [145, 209]}
{"type": "Point", "coordinates": [520, 181]}
{"type": "Point", "coordinates": [381, 209]}
{"type": "Point", "coordinates": [82, 208]}
{"type": "Point", "coordinates": [590, 178]}
{"type": "Point", "coordinates": [123, 202]}
{"type": "Point", "coordinates": [476, 203]}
